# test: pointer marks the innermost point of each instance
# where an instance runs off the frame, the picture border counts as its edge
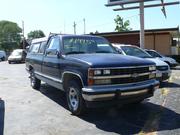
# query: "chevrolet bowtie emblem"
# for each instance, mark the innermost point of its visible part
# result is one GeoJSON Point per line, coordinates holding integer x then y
{"type": "Point", "coordinates": [135, 75]}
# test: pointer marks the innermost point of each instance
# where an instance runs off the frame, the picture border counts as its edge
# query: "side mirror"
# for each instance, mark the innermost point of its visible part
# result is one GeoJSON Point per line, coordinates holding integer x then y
{"type": "Point", "coordinates": [53, 52]}
{"type": "Point", "coordinates": [119, 51]}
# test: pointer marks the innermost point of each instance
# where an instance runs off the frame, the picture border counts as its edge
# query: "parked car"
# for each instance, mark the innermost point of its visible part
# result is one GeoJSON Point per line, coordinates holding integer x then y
{"type": "Point", "coordinates": [90, 74]}
{"type": "Point", "coordinates": [163, 71]}
{"type": "Point", "coordinates": [170, 61]}
{"type": "Point", "coordinates": [2, 55]}
{"type": "Point", "coordinates": [18, 55]}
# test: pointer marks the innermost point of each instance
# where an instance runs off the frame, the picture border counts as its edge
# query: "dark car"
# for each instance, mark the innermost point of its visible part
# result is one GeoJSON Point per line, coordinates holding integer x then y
{"type": "Point", "coordinates": [90, 71]}
{"type": "Point", "coordinates": [2, 55]}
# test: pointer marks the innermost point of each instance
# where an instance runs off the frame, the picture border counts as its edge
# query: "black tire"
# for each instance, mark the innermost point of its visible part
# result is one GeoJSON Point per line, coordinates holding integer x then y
{"type": "Point", "coordinates": [35, 83]}
{"type": "Point", "coordinates": [3, 58]}
{"type": "Point", "coordinates": [76, 103]}
{"type": "Point", "coordinates": [137, 102]}
{"type": "Point", "coordinates": [9, 62]}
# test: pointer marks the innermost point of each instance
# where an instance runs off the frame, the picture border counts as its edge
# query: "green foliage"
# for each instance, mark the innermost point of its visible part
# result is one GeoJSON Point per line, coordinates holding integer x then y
{"type": "Point", "coordinates": [121, 25]}
{"type": "Point", "coordinates": [9, 35]}
{"type": "Point", "coordinates": [36, 34]}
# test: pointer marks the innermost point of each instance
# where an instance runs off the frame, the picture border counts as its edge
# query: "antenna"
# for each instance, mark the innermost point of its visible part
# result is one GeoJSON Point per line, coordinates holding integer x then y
{"type": "Point", "coordinates": [84, 25]}
{"type": "Point", "coordinates": [74, 25]}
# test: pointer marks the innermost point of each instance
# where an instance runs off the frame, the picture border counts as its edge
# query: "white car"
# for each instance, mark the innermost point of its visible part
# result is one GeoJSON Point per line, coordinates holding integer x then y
{"type": "Point", "coordinates": [170, 61]}
{"type": "Point", "coordinates": [163, 71]}
{"type": "Point", "coordinates": [2, 55]}
{"type": "Point", "coordinates": [18, 55]}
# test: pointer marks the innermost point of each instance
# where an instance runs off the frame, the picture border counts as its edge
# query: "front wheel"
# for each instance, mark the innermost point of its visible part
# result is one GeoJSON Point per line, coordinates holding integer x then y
{"type": "Point", "coordinates": [75, 101]}
{"type": "Point", "coordinates": [35, 83]}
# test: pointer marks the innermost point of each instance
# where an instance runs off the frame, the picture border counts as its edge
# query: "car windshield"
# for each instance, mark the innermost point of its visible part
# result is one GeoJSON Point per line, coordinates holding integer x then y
{"type": "Point", "coordinates": [16, 53]}
{"type": "Point", "coordinates": [77, 45]}
{"type": "Point", "coordinates": [134, 51]}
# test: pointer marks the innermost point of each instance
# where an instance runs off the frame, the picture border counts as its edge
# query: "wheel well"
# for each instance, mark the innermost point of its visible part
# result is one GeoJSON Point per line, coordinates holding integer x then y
{"type": "Point", "coordinates": [167, 62]}
{"type": "Point", "coordinates": [68, 77]}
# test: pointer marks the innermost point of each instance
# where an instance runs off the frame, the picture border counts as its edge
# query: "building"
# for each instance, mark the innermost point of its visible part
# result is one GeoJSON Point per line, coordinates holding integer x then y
{"type": "Point", "coordinates": [160, 40]}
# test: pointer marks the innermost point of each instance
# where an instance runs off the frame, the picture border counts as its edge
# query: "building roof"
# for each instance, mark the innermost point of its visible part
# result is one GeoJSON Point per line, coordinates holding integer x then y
{"type": "Point", "coordinates": [148, 31]}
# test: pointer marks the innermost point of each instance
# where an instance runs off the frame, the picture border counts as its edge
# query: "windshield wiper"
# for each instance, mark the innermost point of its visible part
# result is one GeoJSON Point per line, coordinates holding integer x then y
{"type": "Point", "coordinates": [74, 52]}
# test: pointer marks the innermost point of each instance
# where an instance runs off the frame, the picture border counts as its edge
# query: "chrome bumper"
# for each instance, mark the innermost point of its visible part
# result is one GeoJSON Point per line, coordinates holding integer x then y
{"type": "Point", "coordinates": [97, 93]}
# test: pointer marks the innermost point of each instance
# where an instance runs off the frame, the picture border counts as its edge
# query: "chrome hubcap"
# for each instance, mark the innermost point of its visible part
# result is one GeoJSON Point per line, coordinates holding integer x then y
{"type": "Point", "coordinates": [73, 98]}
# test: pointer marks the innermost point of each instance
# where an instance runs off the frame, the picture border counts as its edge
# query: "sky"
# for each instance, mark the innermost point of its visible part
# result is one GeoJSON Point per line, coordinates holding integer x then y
{"type": "Point", "coordinates": [58, 16]}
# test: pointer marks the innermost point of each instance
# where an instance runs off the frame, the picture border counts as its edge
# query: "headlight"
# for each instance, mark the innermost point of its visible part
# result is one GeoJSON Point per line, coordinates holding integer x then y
{"type": "Point", "coordinates": [94, 77]}
{"type": "Point", "coordinates": [106, 72]}
{"type": "Point", "coordinates": [97, 72]}
{"type": "Point", "coordinates": [152, 68]}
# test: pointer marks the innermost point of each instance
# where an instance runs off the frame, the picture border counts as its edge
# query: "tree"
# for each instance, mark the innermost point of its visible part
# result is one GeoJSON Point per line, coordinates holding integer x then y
{"type": "Point", "coordinates": [9, 35]}
{"type": "Point", "coordinates": [121, 25]}
{"type": "Point", "coordinates": [36, 34]}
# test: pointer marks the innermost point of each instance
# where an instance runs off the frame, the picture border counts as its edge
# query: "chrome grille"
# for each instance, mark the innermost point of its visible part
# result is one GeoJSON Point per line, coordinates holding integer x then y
{"type": "Point", "coordinates": [126, 75]}
{"type": "Point", "coordinates": [124, 71]}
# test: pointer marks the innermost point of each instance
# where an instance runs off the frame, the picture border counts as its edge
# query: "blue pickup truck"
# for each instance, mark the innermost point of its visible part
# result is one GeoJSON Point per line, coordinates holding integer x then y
{"type": "Point", "coordinates": [90, 71]}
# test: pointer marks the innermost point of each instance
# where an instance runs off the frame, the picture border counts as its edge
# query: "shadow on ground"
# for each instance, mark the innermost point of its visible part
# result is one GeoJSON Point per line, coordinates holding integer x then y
{"type": "Point", "coordinates": [1, 117]}
{"type": "Point", "coordinates": [169, 85]}
{"type": "Point", "coordinates": [129, 119]}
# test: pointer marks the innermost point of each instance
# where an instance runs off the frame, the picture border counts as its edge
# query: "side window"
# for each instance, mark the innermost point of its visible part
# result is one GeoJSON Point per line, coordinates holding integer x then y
{"type": "Point", "coordinates": [35, 48]}
{"type": "Point", "coordinates": [53, 45]}
{"type": "Point", "coordinates": [42, 47]}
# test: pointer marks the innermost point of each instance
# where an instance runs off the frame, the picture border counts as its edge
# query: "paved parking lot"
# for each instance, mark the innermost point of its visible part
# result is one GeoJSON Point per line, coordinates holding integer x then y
{"type": "Point", "coordinates": [24, 111]}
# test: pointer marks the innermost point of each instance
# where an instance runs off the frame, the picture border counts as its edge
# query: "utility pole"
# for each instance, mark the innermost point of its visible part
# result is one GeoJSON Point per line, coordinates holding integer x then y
{"type": "Point", "coordinates": [74, 26]}
{"type": "Point", "coordinates": [142, 36]}
{"type": "Point", "coordinates": [23, 28]}
{"type": "Point", "coordinates": [23, 41]}
{"type": "Point", "coordinates": [84, 25]}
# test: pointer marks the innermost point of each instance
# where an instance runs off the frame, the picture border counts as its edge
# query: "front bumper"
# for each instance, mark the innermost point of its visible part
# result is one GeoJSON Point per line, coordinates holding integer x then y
{"type": "Point", "coordinates": [15, 59]}
{"type": "Point", "coordinates": [163, 75]}
{"type": "Point", "coordinates": [104, 93]}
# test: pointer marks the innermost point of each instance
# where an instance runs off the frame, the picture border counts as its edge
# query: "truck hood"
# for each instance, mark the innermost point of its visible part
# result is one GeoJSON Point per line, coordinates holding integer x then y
{"type": "Point", "coordinates": [158, 62]}
{"type": "Point", "coordinates": [109, 60]}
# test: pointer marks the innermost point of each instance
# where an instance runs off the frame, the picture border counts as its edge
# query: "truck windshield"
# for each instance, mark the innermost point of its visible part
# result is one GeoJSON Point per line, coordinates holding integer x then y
{"type": "Point", "coordinates": [76, 45]}
{"type": "Point", "coordinates": [134, 51]}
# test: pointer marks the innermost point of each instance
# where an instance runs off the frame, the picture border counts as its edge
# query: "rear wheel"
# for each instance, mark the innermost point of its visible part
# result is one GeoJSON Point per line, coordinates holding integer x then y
{"type": "Point", "coordinates": [35, 83]}
{"type": "Point", "coordinates": [75, 101]}
{"type": "Point", "coordinates": [3, 58]}
{"type": "Point", "coordinates": [9, 62]}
